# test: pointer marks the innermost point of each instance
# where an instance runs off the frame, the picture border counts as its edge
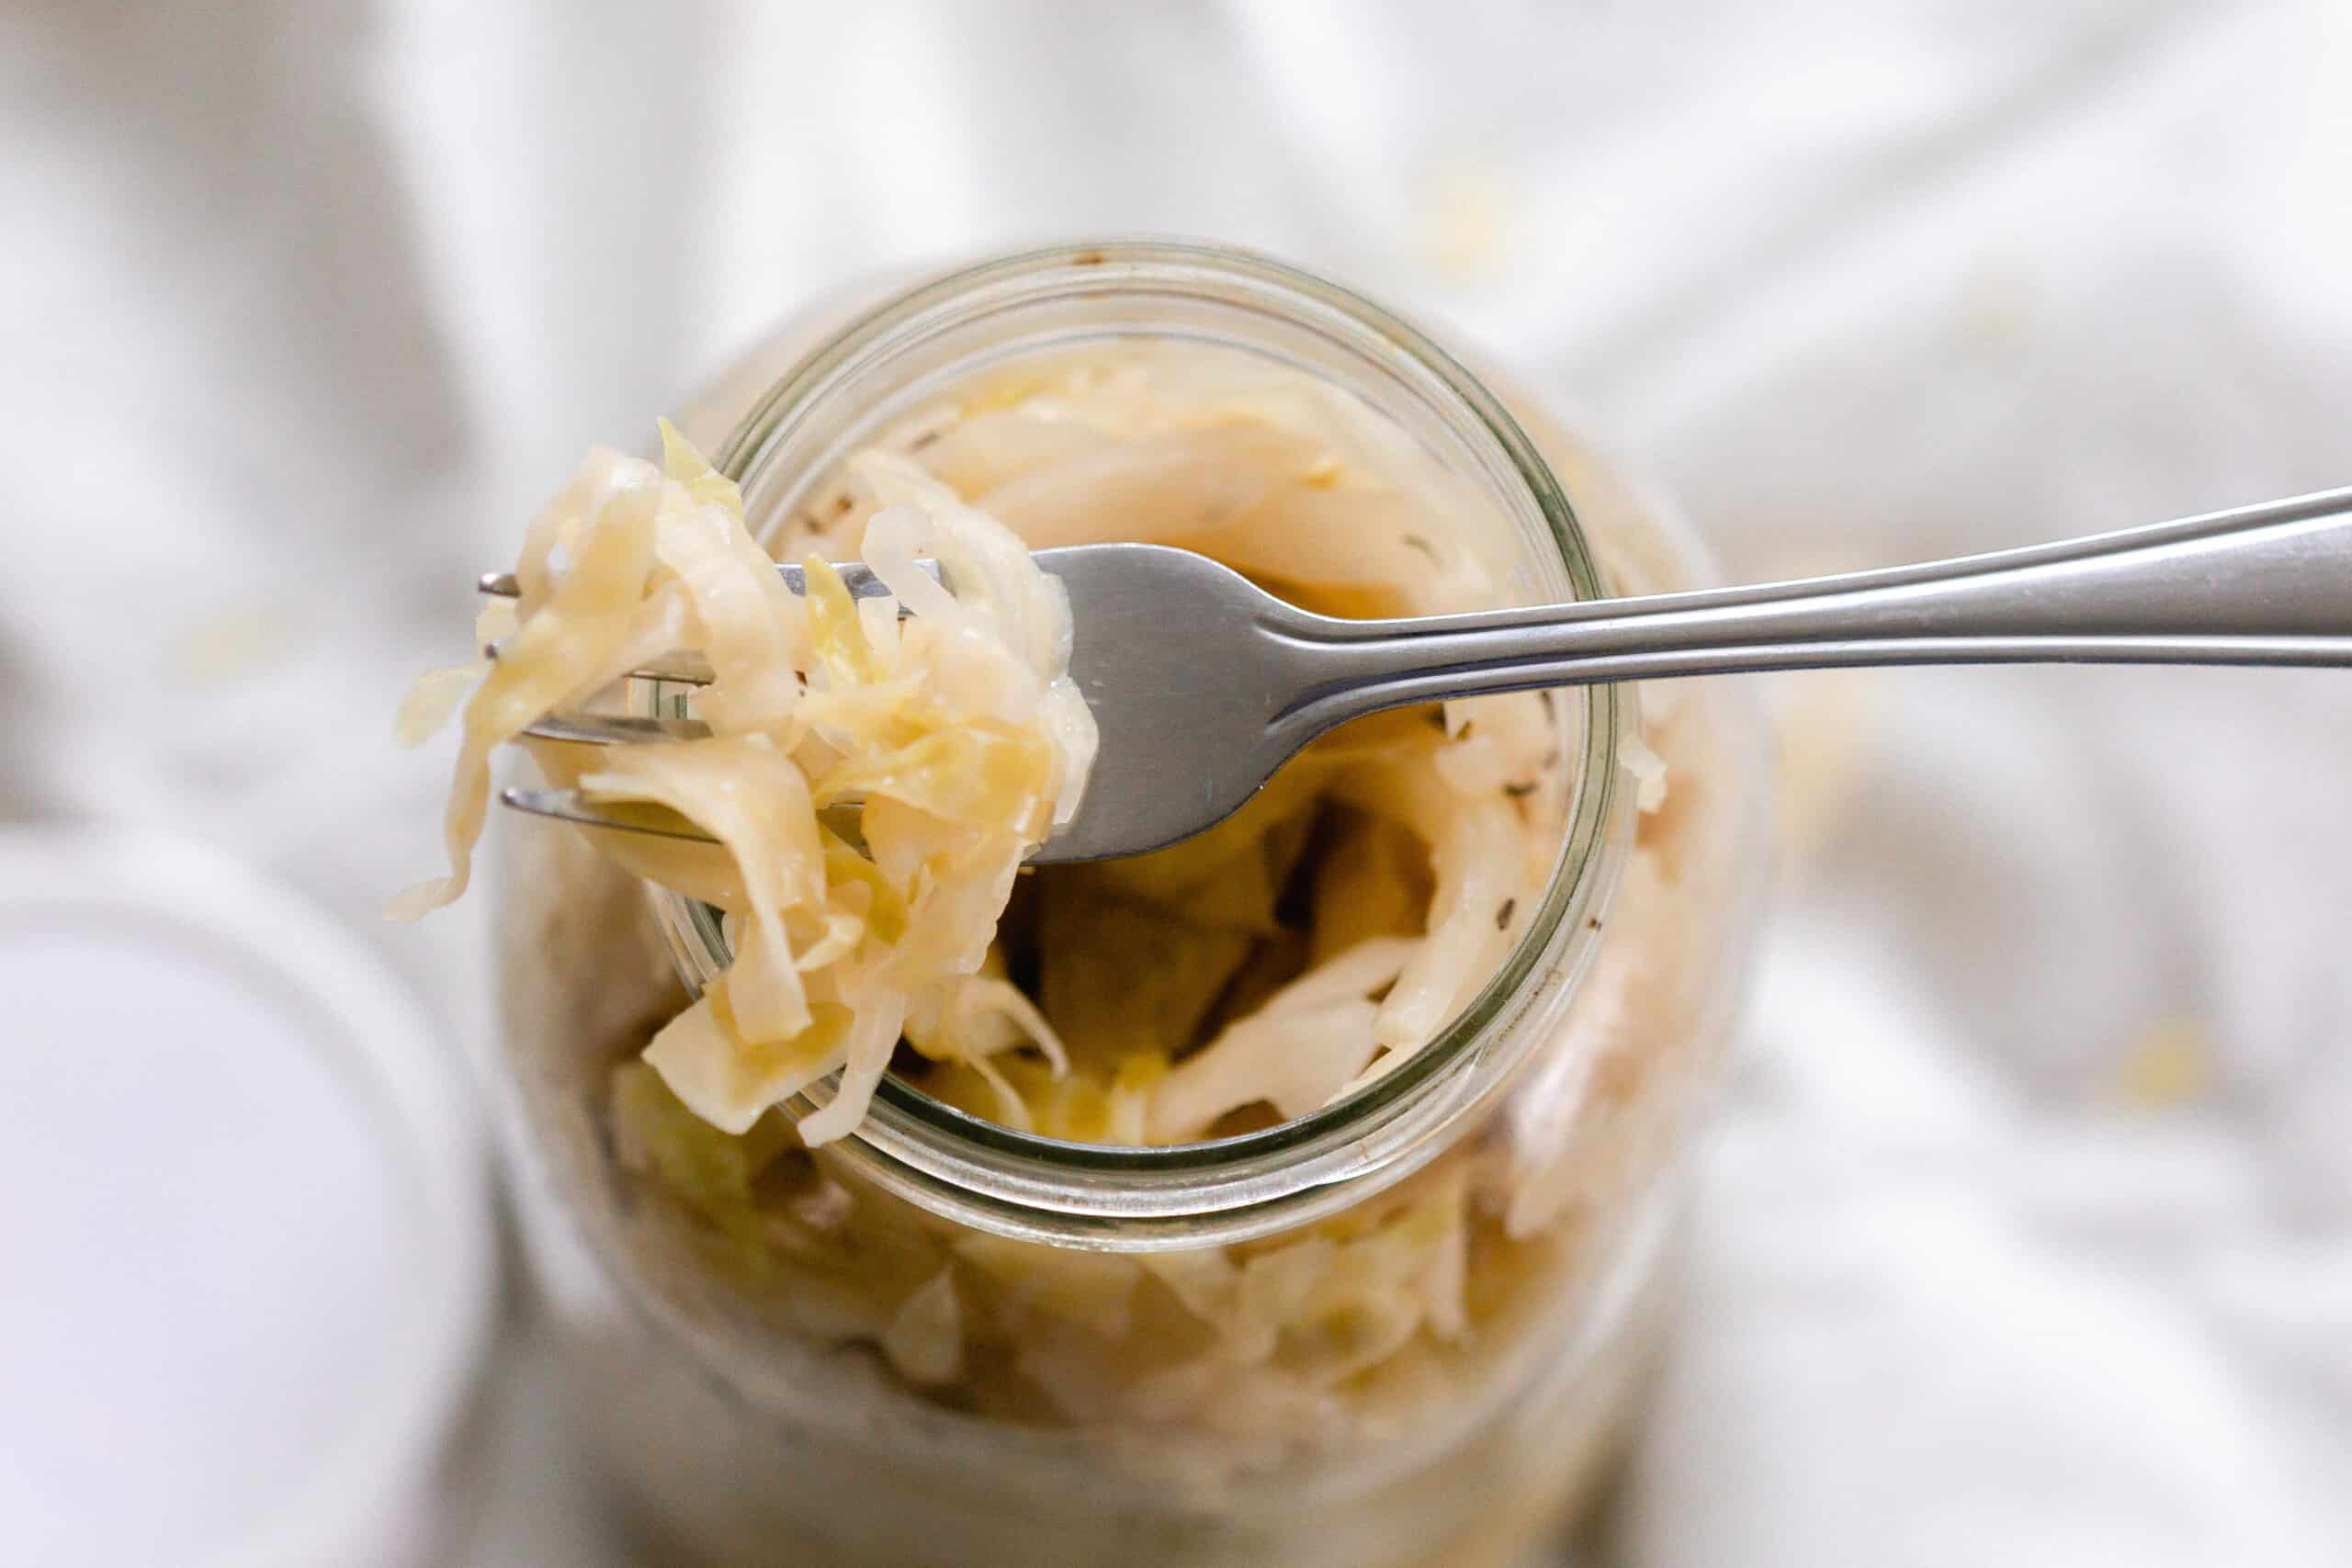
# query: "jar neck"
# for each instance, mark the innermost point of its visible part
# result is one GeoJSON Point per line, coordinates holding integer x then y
{"type": "Point", "coordinates": [913, 351]}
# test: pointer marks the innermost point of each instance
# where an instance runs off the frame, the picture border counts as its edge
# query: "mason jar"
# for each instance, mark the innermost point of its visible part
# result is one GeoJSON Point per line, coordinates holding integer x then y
{"type": "Point", "coordinates": [733, 1375]}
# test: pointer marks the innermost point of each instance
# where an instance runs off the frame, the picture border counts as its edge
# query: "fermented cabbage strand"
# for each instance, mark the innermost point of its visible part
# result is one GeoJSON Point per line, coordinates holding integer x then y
{"type": "Point", "coordinates": [958, 731]}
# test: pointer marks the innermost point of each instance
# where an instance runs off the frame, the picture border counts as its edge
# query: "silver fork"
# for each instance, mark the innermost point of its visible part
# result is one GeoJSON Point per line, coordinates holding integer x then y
{"type": "Point", "coordinates": [1203, 684]}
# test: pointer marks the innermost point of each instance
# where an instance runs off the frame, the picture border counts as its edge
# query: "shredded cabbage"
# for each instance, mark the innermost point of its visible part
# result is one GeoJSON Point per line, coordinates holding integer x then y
{"type": "Point", "coordinates": [959, 733]}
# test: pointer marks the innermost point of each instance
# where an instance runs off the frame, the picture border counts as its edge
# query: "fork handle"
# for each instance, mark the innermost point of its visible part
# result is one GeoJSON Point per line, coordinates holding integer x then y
{"type": "Point", "coordinates": [2268, 585]}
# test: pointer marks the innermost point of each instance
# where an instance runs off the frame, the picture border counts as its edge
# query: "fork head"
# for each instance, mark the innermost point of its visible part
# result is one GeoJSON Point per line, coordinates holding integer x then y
{"type": "Point", "coordinates": [1189, 668]}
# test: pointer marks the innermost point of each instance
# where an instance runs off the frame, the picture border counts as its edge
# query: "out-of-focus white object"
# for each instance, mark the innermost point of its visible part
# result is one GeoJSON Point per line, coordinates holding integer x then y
{"type": "Point", "coordinates": [244, 1219]}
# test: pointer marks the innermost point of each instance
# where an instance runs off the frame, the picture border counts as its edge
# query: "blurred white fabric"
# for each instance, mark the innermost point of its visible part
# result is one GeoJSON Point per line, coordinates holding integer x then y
{"type": "Point", "coordinates": [304, 306]}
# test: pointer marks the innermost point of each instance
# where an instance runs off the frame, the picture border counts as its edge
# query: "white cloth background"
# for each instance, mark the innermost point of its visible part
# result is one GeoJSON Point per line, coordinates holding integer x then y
{"type": "Point", "coordinates": [302, 306]}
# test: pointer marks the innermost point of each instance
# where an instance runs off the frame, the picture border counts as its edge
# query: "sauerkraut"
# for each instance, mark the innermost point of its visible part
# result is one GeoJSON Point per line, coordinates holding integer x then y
{"type": "Point", "coordinates": [955, 731]}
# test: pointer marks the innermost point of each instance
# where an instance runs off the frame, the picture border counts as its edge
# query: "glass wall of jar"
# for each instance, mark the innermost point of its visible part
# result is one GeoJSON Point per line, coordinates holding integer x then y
{"type": "Point", "coordinates": [1401, 1328]}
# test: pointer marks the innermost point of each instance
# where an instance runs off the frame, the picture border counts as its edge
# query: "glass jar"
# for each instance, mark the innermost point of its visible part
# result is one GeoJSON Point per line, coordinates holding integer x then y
{"type": "Point", "coordinates": [745, 1407]}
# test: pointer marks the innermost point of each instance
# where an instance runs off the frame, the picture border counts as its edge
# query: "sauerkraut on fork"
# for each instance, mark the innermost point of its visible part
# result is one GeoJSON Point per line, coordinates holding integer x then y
{"type": "Point", "coordinates": [955, 728]}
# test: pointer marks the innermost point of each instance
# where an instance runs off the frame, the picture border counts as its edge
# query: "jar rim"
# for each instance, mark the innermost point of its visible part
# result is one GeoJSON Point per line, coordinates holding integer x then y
{"type": "Point", "coordinates": [1121, 1197]}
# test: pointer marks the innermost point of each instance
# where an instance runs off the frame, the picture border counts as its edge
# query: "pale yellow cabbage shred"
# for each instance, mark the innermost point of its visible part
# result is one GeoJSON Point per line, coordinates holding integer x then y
{"type": "Point", "coordinates": [955, 731]}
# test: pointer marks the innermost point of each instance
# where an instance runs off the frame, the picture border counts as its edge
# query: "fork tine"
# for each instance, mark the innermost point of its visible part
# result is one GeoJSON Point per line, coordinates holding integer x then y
{"type": "Point", "coordinates": [682, 670]}
{"type": "Point", "coordinates": [614, 730]}
{"type": "Point", "coordinates": [857, 576]}
{"type": "Point", "coordinates": [638, 816]}
{"type": "Point", "coordinates": [633, 817]}
{"type": "Point", "coordinates": [687, 669]}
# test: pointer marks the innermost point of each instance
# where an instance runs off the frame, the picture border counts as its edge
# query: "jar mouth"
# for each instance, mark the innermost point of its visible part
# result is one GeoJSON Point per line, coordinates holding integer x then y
{"type": "Point", "coordinates": [1138, 1198]}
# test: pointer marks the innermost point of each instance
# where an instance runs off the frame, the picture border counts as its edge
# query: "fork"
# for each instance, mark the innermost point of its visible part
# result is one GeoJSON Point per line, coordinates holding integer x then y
{"type": "Point", "coordinates": [1203, 684]}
